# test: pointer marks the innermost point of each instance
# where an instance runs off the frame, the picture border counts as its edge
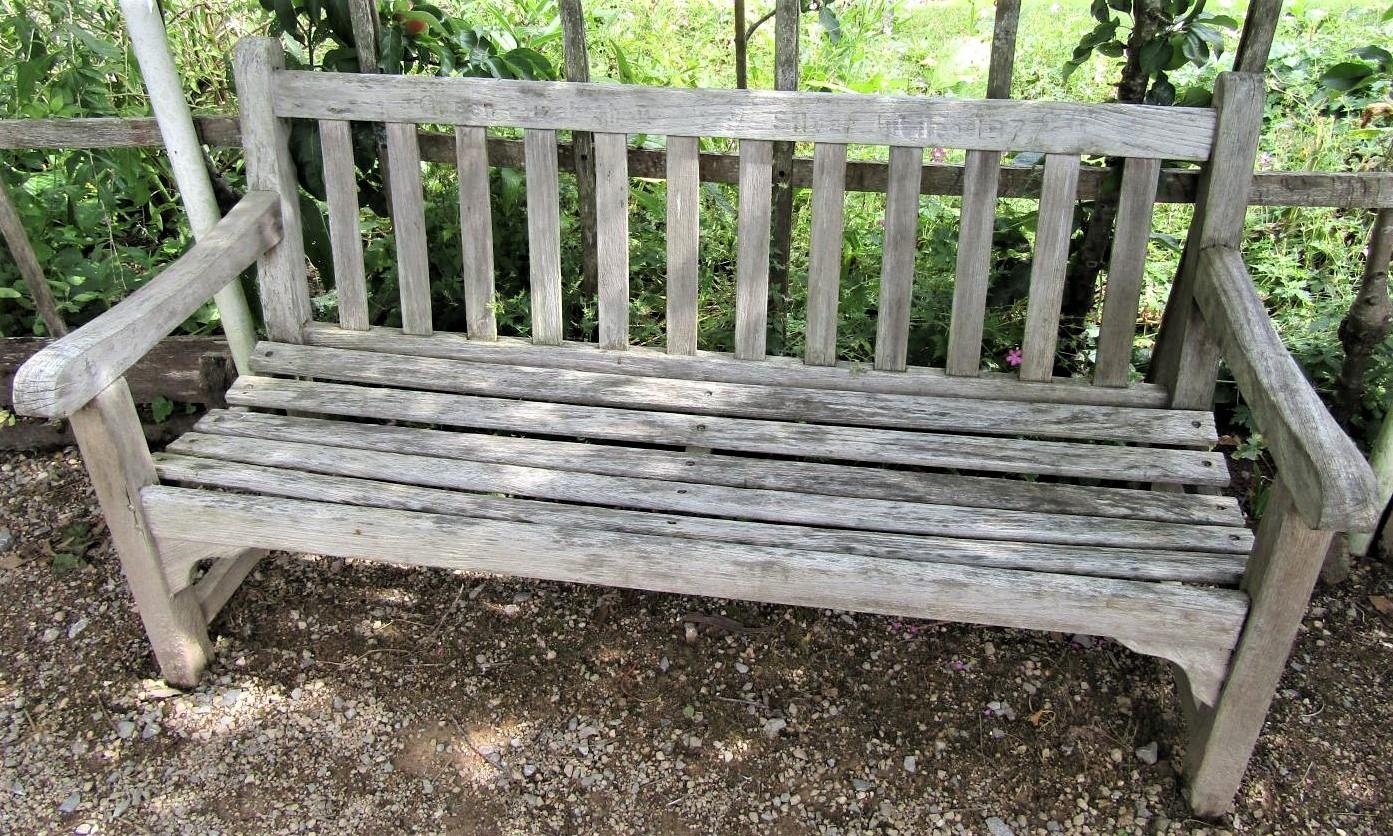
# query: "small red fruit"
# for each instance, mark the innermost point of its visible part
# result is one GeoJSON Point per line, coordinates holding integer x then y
{"type": "Point", "coordinates": [415, 27]}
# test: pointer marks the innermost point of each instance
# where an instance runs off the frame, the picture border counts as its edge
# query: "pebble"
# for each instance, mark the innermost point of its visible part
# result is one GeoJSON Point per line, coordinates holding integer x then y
{"type": "Point", "coordinates": [1148, 754]}
{"type": "Point", "coordinates": [911, 764]}
{"type": "Point", "coordinates": [70, 803]}
{"type": "Point", "coordinates": [77, 627]}
{"type": "Point", "coordinates": [51, 635]}
{"type": "Point", "coordinates": [125, 729]}
{"type": "Point", "coordinates": [6, 539]}
{"type": "Point", "coordinates": [997, 827]}
{"type": "Point", "coordinates": [773, 726]}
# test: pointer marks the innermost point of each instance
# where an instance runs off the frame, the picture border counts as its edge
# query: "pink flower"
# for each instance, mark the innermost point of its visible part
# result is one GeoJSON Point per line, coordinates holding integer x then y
{"type": "Point", "coordinates": [938, 155]}
{"type": "Point", "coordinates": [1013, 357]}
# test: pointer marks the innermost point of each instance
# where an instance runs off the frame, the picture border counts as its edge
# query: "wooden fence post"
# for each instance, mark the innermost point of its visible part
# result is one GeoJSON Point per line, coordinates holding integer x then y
{"type": "Point", "coordinates": [1003, 60]}
{"type": "Point", "coordinates": [1259, 28]}
{"type": "Point", "coordinates": [582, 146]}
{"type": "Point", "coordinates": [786, 28]}
{"type": "Point", "coordinates": [28, 263]}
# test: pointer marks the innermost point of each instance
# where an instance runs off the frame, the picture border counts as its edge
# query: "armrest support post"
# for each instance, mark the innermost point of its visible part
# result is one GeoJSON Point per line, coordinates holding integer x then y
{"type": "Point", "coordinates": [63, 377]}
{"type": "Point", "coordinates": [1332, 487]}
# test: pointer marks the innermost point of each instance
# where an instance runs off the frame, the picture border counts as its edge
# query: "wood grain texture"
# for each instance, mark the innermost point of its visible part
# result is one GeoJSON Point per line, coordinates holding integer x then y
{"type": "Point", "coordinates": [711, 365]}
{"type": "Point", "coordinates": [612, 238]}
{"type": "Point", "coordinates": [544, 236]}
{"type": "Point", "coordinates": [1194, 617]}
{"type": "Point", "coordinates": [1126, 269]}
{"type": "Point", "coordinates": [284, 289]}
{"type": "Point", "coordinates": [683, 243]}
{"type": "Point", "coordinates": [223, 578]}
{"type": "Point", "coordinates": [476, 232]}
{"type": "Point", "coordinates": [1364, 189]}
{"type": "Point", "coordinates": [1116, 130]}
{"type": "Point", "coordinates": [1186, 356]}
{"type": "Point", "coordinates": [119, 464]}
{"type": "Point", "coordinates": [345, 236]}
{"type": "Point", "coordinates": [737, 471]}
{"type": "Point", "coordinates": [857, 444]}
{"type": "Point", "coordinates": [1088, 423]}
{"type": "Point", "coordinates": [1003, 57]}
{"type": "Point", "coordinates": [897, 260]}
{"type": "Point", "coordinates": [825, 254]}
{"type": "Point", "coordinates": [182, 368]}
{"type": "Point", "coordinates": [72, 370]}
{"type": "Point", "coordinates": [1331, 483]}
{"type": "Point", "coordinates": [978, 219]}
{"type": "Point", "coordinates": [752, 241]}
{"type": "Point", "coordinates": [1281, 574]}
{"type": "Point", "coordinates": [1053, 229]}
{"type": "Point", "coordinates": [409, 228]}
{"type": "Point", "coordinates": [419, 483]}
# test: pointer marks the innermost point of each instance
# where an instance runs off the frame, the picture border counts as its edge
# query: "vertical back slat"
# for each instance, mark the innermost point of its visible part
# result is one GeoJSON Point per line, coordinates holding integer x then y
{"type": "Point", "coordinates": [409, 225]}
{"type": "Point", "coordinates": [974, 262]}
{"type": "Point", "coordinates": [752, 260]}
{"type": "Point", "coordinates": [683, 233]}
{"type": "Point", "coordinates": [543, 235]}
{"type": "Point", "coordinates": [1052, 229]}
{"type": "Point", "coordinates": [897, 258]}
{"type": "Point", "coordinates": [345, 237]}
{"type": "Point", "coordinates": [825, 256]}
{"type": "Point", "coordinates": [1125, 271]}
{"type": "Point", "coordinates": [612, 237]}
{"type": "Point", "coordinates": [476, 231]}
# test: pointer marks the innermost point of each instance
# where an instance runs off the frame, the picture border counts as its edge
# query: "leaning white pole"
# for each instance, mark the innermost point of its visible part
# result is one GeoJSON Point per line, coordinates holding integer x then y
{"type": "Point", "coordinates": [147, 34]}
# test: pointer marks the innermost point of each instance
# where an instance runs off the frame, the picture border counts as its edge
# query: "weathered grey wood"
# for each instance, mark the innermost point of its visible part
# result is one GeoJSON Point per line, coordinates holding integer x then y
{"type": "Point", "coordinates": [1186, 357]}
{"type": "Point", "coordinates": [409, 227]}
{"type": "Point", "coordinates": [1126, 270]}
{"type": "Point", "coordinates": [1089, 423]}
{"type": "Point", "coordinates": [612, 238]}
{"type": "Point", "coordinates": [346, 239]}
{"type": "Point", "coordinates": [991, 455]}
{"type": "Point", "coordinates": [737, 471]}
{"type": "Point", "coordinates": [182, 368]}
{"type": "Point", "coordinates": [113, 449]}
{"type": "Point", "coordinates": [1115, 130]}
{"type": "Point", "coordinates": [710, 365]}
{"type": "Point", "coordinates": [544, 236]}
{"type": "Point", "coordinates": [974, 262]}
{"type": "Point", "coordinates": [225, 576]}
{"type": "Point", "coordinates": [1364, 189]}
{"type": "Point", "coordinates": [1188, 616]}
{"type": "Point", "coordinates": [394, 481]}
{"type": "Point", "coordinates": [1259, 28]}
{"type": "Point", "coordinates": [897, 261]}
{"type": "Point", "coordinates": [752, 259]}
{"type": "Point", "coordinates": [72, 370]}
{"type": "Point", "coordinates": [683, 242]}
{"type": "Point", "coordinates": [1051, 259]}
{"type": "Point", "coordinates": [17, 241]}
{"type": "Point", "coordinates": [577, 61]}
{"type": "Point", "coordinates": [1003, 58]}
{"type": "Point", "coordinates": [756, 504]}
{"type": "Point", "coordinates": [1281, 574]}
{"type": "Point", "coordinates": [1331, 484]}
{"type": "Point", "coordinates": [476, 232]}
{"type": "Point", "coordinates": [825, 255]}
{"type": "Point", "coordinates": [284, 289]}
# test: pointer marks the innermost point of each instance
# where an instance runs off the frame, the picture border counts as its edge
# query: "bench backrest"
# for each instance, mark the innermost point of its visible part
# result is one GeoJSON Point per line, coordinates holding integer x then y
{"type": "Point", "coordinates": [1063, 132]}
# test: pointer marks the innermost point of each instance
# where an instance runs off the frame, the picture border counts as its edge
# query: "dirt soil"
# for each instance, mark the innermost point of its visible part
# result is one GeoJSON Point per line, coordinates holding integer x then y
{"type": "Point", "coordinates": [351, 697]}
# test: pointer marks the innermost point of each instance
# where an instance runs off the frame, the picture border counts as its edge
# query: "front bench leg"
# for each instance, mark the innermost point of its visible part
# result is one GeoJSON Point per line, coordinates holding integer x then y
{"type": "Point", "coordinates": [1281, 573]}
{"type": "Point", "coordinates": [118, 461]}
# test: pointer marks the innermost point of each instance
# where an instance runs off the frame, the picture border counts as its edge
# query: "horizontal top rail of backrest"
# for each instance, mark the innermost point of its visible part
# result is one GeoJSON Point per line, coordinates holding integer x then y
{"type": "Point", "coordinates": [1119, 130]}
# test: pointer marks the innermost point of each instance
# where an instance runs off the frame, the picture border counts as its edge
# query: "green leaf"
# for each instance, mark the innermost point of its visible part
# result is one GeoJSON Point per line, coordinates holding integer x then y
{"type": "Point", "coordinates": [161, 408]}
{"type": "Point", "coordinates": [1112, 49]}
{"type": "Point", "coordinates": [285, 18]}
{"type": "Point", "coordinates": [1377, 54]}
{"type": "Point", "coordinates": [1155, 55]}
{"type": "Point", "coordinates": [827, 19]}
{"type": "Point", "coordinates": [1346, 76]}
{"type": "Point", "coordinates": [10, 293]}
{"type": "Point", "coordinates": [65, 562]}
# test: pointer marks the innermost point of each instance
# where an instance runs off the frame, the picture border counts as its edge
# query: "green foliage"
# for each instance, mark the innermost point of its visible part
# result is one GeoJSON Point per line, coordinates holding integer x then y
{"type": "Point", "coordinates": [1184, 34]}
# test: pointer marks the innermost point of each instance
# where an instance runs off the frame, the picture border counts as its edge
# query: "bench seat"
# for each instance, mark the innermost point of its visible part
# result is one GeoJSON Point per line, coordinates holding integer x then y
{"type": "Point", "coordinates": [999, 511]}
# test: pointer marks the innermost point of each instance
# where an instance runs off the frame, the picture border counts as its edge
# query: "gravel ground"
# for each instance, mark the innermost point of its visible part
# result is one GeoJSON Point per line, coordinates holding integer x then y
{"type": "Point", "coordinates": [353, 697]}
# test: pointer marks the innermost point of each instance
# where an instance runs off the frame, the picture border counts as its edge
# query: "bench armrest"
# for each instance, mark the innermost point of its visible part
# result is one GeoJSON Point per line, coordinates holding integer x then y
{"type": "Point", "coordinates": [1331, 484]}
{"type": "Point", "coordinates": [67, 374]}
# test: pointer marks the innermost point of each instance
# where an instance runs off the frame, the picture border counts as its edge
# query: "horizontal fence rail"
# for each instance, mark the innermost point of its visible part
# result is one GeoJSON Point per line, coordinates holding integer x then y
{"type": "Point", "coordinates": [1347, 190]}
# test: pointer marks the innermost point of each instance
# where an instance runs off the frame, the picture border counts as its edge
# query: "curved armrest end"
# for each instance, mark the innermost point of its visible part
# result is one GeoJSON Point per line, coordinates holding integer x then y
{"type": "Point", "coordinates": [48, 385]}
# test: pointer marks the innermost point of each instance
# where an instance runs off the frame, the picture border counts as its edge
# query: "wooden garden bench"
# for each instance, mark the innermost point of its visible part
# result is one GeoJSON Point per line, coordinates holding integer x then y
{"type": "Point", "coordinates": [1078, 505]}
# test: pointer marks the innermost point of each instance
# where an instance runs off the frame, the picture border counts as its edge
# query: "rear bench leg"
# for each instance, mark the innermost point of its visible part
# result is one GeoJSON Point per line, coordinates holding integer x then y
{"type": "Point", "coordinates": [118, 461]}
{"type": "Point", "coordinates": [1282, 571]}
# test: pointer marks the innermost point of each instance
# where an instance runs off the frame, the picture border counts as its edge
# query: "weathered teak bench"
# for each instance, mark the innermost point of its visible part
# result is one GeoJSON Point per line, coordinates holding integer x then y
{"type": "Point", "coordinates": [887, 490]}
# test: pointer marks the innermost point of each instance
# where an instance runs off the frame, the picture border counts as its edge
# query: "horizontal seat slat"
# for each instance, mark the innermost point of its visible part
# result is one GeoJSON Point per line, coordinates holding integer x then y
{"type": "Point", "coordinates": [717, 366]}
{"type": "Point", "coordinates": [737, 471]}
{"type": "Point", "coordinates": [1193, 567]}
{"type": "Point", "coordinates": [1092, 423]}
{"type": "Point", "coordinates": [1114, 130]}
{"type": "Point", "coordinates": [857, 444]}
{"type": "Point", "coordinates": [1204, 621]}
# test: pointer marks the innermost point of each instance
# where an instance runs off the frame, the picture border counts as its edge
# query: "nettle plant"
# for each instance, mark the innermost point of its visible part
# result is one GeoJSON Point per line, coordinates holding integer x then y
{"type": "Point", "coordinates": [1157, 37]}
